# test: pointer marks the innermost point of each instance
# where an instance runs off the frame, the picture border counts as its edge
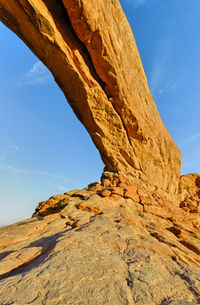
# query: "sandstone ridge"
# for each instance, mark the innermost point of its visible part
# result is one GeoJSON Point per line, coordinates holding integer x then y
{"type": "Point", "coordinates": [134, 237]}
{"type": "Point", "coordinates": [102, 245]}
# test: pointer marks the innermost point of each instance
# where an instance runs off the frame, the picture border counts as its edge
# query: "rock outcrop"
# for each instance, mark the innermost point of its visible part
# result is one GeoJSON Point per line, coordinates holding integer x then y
{"type": "Point", "coordinates": [134, 237]}
{"type": "Point", "coordinates": [189, 197]}
{"type": "Point", "coordinates": [95, 246]}
{"type": "Point", "coordinates": [89, 48]}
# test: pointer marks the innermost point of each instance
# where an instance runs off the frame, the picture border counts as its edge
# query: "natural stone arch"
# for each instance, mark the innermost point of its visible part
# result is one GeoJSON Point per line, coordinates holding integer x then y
{"type": "Point", "coordinates": [89, 48]}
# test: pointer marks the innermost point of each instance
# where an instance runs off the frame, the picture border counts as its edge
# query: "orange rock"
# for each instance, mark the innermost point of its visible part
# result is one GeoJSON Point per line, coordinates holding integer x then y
{"type": "Point", "coordinates": [53, 205]}
{"type": "Point", "coordinates": [123, 242]}
{"type": "Point", "coordinates": [89, 48]}
{"type": "Point", "coordinates": [189, 196]}
{"type": "Point", "coordinates": [131, 192]}
{"type": "Point", "coordinates": [111, 239]}
{"type": "Point", "coordinates": [96, 186]}
{"type": "Point", "coordinates": [105, 193]}
{"type": "Point", "coordinates": [157, 211]}
{"type": "Point", "coordinates": [117, 191]}
{"type": "Point", "coordinates": [146, 198]}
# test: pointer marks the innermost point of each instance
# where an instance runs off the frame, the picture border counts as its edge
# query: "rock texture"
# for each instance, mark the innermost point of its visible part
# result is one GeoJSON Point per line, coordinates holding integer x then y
{"type": "Point", "coordinates": [134, 237]}
{"type": "Point", "coordinates": [95, 246]}
{"type": "Point", "coordinates": [190, 193]}
{"type": "Point", "coordinates": [89, 48]}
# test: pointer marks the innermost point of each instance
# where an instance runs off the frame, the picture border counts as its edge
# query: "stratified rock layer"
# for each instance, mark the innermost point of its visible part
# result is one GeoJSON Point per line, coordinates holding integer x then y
{"type": "Point", "coordinates": [89, 48]}
{"type": "Point", "coordinates": [99, 247]}
{"type": "Point", "coordinates": [119, 241]}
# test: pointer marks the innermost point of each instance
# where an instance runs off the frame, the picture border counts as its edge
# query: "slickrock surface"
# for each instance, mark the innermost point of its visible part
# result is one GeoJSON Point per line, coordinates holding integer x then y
{"type": "Point", "coordinates": [133, 238]}
{"type": "Point", "coordinates": [95, 246]}
{"type": "Point", "coordinates": [90, 49]}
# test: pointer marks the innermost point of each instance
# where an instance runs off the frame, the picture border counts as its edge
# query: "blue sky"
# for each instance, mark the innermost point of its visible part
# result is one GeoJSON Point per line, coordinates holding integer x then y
{"type": "Point", "coordinates": [44, 150]}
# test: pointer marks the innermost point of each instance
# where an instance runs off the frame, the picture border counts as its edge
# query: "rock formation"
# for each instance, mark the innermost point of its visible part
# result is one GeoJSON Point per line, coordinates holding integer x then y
{"type": "Point", "coordinates": [190, 193]}
{"type": "Point", "coordinates": [134, 237]}
{"type": "Point", "coordinates": [95, 246]}
{"type": "Point", "coordinates": [90, 49]}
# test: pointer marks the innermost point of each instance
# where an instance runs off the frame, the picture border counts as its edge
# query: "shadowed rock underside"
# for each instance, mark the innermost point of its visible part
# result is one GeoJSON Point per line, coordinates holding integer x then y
{"type": "Point", "coordinates": [90, 49]}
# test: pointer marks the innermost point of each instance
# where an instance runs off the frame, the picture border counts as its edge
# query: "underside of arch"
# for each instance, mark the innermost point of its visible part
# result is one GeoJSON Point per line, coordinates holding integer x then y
{"type": "Point", "coordinates": [89, 48]}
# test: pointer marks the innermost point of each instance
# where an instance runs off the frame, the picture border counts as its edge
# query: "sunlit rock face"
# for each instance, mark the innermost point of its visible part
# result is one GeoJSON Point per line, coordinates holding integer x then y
{"type": "Point", "coordinates": [90, 49]}
{"type": "Point", "coordinates": [102, 245]}
{"type": "Point", "coordinates": [134, 237]}
{"type": "Point", "coordinates": [189, 197]}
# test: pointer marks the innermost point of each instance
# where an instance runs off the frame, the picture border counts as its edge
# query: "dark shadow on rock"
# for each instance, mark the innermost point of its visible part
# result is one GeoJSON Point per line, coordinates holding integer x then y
{"type": "Point", "coordinates": [197, 182]}
{"type": "Point", "coordinates": [4, 254]}
{"type": "Point", "coordinates": [191, 287]}
{"type": "Point", "coordinates": [47, 244]}
{"type": "Point", "coordinates": [176, 302]}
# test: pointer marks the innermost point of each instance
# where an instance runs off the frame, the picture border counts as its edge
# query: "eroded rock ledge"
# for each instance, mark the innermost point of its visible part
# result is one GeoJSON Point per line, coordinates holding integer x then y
{"type": "Point", "coordinates": [105, 244]}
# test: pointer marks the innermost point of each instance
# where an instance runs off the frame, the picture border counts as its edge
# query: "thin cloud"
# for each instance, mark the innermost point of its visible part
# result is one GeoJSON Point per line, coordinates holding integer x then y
{"type": "Point", "coordinates": [190, 139]}
{"type": "Point", "coordinates": [156, 76]}
{"type": "Point", "coordinates": [168, 88]}
{"type": "Point", "coordinates": [62, 188]}
{"type": "Point", "coordinates": [15, 147]}
{"type": "Point", "coordinates": [140, 3]}
{"type": "Point", "coordinates": [174, 86]}
{"type": "Point", "coordinates": [137, 3]}
{"type": "Point", "coordinates": [3, 156]}
{"type": "Point", "coordinates": [37, 75]}
{"type": "Point", "coordinates": [189, 164]}
{"type": "Point", "coordinates": [14, 170]}
{"type": "Point", "coordinates": [158, 72]}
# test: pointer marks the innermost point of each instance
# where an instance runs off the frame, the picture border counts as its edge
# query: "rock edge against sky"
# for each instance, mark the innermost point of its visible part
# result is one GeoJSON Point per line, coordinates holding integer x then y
{"type": "Point", "coordinates": [134, 237]}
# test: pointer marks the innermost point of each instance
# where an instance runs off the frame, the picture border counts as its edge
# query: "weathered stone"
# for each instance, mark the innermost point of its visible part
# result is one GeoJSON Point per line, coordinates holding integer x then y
{"type": "Point", "coordinates": [119, 241]}
{"type": "Point", "coordinates": [189, 197]}
{"type": "Point", "coordinates": [131, 192]}
{"type": "Point", "coordinates": [105, 193]}
{"type": "Point", "coordinates": [101, 251]}
{"type": "Point", "coordinates": [89, 47]}
{"type": "Point", "coordinates": [117, 191]}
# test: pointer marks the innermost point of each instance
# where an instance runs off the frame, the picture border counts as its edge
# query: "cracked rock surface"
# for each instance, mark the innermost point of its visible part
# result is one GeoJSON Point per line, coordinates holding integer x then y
{"type": "Point", "coordinates": [87, 248]}
{"type": "Point", "coordinates": [133, 238]}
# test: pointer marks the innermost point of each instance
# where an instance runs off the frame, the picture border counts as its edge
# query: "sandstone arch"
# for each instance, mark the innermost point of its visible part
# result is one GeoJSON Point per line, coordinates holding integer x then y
{"type": "Point", "coordinates": [89, 48]}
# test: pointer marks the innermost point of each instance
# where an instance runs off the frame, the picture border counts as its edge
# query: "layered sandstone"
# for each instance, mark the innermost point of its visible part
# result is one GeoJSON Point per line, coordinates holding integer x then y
{"type": "Point", "coordinates": [90, 49]}
{"type": "Point", "coordinates": [119, 241]}
{"type": "Point", "coordinates": [95, 246]}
